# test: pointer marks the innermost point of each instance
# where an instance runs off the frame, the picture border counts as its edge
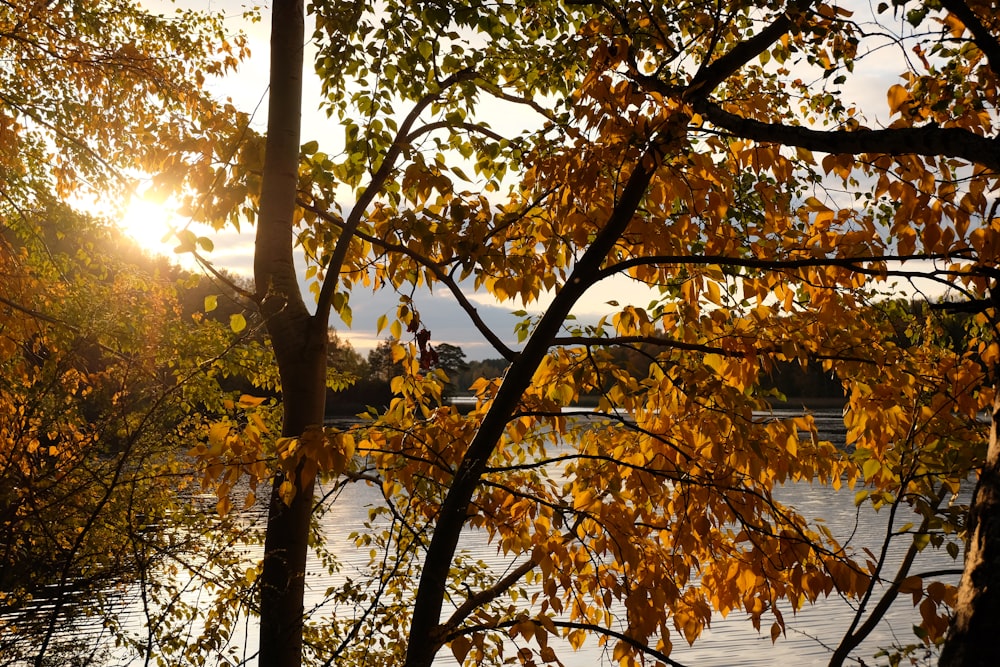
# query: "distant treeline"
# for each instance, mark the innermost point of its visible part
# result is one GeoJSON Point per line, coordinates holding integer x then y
{"type": "Point", "coordinates": [796, 383]}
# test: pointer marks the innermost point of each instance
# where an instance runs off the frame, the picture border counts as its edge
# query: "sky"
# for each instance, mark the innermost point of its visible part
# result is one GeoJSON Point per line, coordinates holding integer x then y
{"type": "Point", "coordinates": [150, 222]}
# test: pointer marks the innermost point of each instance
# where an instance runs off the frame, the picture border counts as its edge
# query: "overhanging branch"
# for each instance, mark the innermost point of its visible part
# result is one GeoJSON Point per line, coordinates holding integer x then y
{"type": "Point", "coordinates": [929, 140]}
{"type": "Point", "coordinates": [986, 41]}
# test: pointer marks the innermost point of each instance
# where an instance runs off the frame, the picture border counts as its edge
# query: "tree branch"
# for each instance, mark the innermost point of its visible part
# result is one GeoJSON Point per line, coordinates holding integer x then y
{"type": "Point", "coordinates": [454, 510]}
{"type": "Point", "coordinates": [574, 625]}
{"type": "Point", "coordinates": [857, 264]}
{"type": "Point", "coordinates": [434, 268]}
{"type": "Point", "coordinates": [710, 76]}
{"type": "Point", "coordinates": [981, 35]}
{"type": "Point", "coordinates": [441, 124]}
{"type": "Point", "coordinates": [659, 341]}
{"type": "Point", "coordinates": [929, 140]}
{"type": "Point", "coordinates": [486, 596]}
{"type": "Point", "coordinates": [379, 179]}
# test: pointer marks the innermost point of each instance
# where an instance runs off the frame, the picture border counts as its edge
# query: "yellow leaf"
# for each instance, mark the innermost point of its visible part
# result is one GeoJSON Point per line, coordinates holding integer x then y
{"type": "Point", "coordinates": [714, 294]}
{"type": "Point", "coordinates": [805, 155]}
{"type": "Point", "coordinates": [621, 651]}
{"type": "Point", "coordinates": [287, 492]}
{"type": "Point", "coordinates": [912, 586]}
{"type": "Point", "coordinates": [792, 444]}
{"type": "Point", "coordinates": [248, 401]}
{"type": "Point", "coordinates": [896, 96]}
{"type": "Point", "coordinates": [237, 322]}
{"type": "Point", "coordinates": [715, 362]}
{"type": "Point", "coordinates": [561, 393]}
{"type": "Point", "coordinates": [576, 639]}
{"type": "Point", "coordinates": [583, 499]}
{"type": "Point", "coordinates": [217, 434]}
{"type": "Point", "coordinates": [991, 354]}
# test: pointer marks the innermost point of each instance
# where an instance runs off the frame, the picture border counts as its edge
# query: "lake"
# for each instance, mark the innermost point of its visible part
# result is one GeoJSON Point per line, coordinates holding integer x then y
{"type": "Point", "coordinates": [810, 636]}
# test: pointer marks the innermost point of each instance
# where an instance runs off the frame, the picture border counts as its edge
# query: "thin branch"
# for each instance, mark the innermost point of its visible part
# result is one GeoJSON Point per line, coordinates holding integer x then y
{"type": "Point", "coordinates": [474, 128]}
{"type": "Point", "coordinates": [487, 595]}
{"type": "Point", "coordinates": [379, 178]}
{"type": "Point", "coordinates": [856, 263]}
{"type": "Point", "coordinates": [602, 341]}
{"type": "Point", "coordinates": [433, 267]}
{"type": "Point", "coordinates": [854, 634]}
{"type": "Point", "coordinates": [574, 625]}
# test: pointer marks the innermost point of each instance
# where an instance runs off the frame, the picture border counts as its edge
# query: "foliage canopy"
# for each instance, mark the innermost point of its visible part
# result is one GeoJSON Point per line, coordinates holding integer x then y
{"type": "Point", "coordinates": [713, 152]}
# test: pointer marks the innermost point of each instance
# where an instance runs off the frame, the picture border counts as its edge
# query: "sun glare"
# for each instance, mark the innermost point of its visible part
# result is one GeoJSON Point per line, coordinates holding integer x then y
{"type": "Point", "coordinates": [148, 223]}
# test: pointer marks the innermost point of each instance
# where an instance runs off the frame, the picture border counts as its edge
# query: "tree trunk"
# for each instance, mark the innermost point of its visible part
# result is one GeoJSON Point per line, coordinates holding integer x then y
{"type": "Point", "coordinates": [298, 340]}
{"type": "Point", "coordinates": [282, 579]}
{"type": "Point", "coordinates": [427, 634]}
{"type": "Point", "coordinates": [972, 640]}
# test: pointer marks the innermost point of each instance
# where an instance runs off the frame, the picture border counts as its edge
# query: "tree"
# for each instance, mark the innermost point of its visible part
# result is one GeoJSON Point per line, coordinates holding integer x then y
{"type": "Point", "coordinates": [344, 358]}
{"type": "Point", "coordinates": [451, 358]}
{"type": "Point", "coordinates": [380, 361]}
{"type": "Point", "coordinates": [102, 89]}
{"type": "Point", "coordinates": [299, 340]}
{"type": "Point", "coordinates": [103, 380]}
{"type": "Point", "coordinates": [709, 151]}
{"type": "Point", "coordinates": [105, 385]}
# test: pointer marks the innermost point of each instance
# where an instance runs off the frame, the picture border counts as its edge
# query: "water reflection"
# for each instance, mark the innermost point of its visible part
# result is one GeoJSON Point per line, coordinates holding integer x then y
{"type": "Point", "coordinates": [811, 635]}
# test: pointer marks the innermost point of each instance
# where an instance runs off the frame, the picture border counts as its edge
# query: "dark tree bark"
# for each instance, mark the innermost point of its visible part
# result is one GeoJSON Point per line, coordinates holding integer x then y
{"type": "Point", "coordinates": [298, 338]}
{"type": "Point", "coordinates": [972, 640]}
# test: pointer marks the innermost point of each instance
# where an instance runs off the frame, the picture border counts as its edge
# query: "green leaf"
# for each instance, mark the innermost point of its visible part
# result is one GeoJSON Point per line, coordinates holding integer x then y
{"type": "Point", "coordinates": [346, 315]}
{"type": "Point", "coordinates": [188, 241]}
{"type": "Point", "coordinates": [310, 147]}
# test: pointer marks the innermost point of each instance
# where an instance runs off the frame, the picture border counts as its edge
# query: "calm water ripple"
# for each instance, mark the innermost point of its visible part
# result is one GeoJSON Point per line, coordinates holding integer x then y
{"type": "Point", "coordinates": [731, 641]}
